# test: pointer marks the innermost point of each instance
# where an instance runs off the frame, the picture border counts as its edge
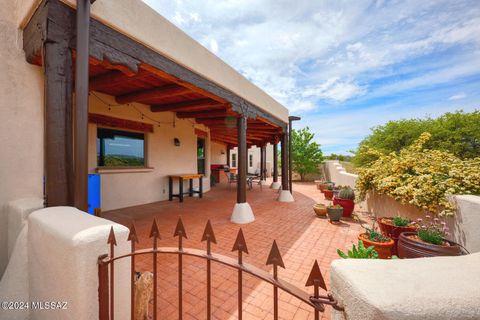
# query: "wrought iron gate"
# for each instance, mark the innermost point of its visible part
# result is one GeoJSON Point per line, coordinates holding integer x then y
{"type": "Point", "coordinates": [106, 269]}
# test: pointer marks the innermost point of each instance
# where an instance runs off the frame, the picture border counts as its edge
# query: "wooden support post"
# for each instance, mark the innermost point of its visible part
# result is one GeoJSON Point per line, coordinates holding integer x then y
{"type": "Point", "coordinates": [290, 149]}
{"type": "Point", "coordinates": [262, 163]}
{"type": "Point", "coordinates": [275, 162]}
{"type": "Point", "coordinates": [228, 155]}
{"type": "Point", "coordinates": [58, 124]}
{"type": "Point", "coordinates": [242, 163]}
{"type": "Point", "coordinates": [285, 161]}
{"type": "Point", "coordinates": [81, 105]}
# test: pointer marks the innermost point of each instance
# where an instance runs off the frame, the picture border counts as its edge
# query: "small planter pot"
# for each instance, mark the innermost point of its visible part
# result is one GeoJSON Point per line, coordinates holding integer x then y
{"type": "Point", "coordinates": [384, 249]}
{"type": "Point", "coordinates": [320, 210]}
{"type": "Point", "coordinates": [348, 206]}
{"type": "Point", "coordinates": [328, 194]}
{"type": "Point", "coordinates": [410, 246]}
{"type": "Point", "coordinates": [388, 228]}
{"type": "Point", "coordinates": [323, 186]}
{"type": "Point", "coordinates": [334, 214]}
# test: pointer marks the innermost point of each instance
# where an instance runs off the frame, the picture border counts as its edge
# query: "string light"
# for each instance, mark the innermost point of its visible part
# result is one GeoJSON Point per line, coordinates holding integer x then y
{"type": "Point", "coordinates": [142, 115]}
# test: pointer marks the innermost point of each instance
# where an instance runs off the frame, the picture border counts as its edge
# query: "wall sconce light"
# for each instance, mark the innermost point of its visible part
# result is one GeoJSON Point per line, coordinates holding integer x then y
{"type": "Point", "coordinates": [222, 152]}
{"type": "Point", "coordinates": [176, 142]}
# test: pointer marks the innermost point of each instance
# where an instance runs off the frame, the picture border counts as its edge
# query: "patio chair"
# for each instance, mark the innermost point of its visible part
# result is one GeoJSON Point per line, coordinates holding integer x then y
{"type": "Point", "coordinates": [231, 178]}
{"type": "Point", "coordinates": [255, 178]}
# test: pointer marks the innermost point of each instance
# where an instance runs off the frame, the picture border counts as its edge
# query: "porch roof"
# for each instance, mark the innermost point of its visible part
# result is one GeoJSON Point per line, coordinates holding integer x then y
{"type": "Point", "coordinates": [138, 21]}
{"type": "Point", "coordinates": [136, 55]}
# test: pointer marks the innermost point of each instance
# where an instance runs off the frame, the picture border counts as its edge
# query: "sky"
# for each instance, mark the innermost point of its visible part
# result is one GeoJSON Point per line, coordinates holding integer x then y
{"type": "Point", "coordinates": [345, 66]}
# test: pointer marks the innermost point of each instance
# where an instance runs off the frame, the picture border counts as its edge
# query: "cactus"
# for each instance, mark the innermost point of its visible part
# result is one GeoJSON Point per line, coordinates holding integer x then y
{"type": "Point", "coordinates": [347, 193]}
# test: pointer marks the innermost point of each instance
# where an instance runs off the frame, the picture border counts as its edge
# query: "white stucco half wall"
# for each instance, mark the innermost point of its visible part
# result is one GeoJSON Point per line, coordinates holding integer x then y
{"type": "Point", "coordinates": [64, 244]}
{"type": "Point", "coordinates": [440, 288]}
{"type": "Point", "coordinates": [339, 175]}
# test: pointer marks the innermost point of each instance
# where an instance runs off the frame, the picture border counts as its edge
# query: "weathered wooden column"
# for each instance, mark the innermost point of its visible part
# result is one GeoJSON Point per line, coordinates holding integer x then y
{"type": "Point", "coordinates": [58, 124]}
{"type": "Point", "coordinates": [290, 151]}
{"type": "Point", "coordinates": [275, 184]}
{"type": "Point", "coordinates": [242, 212]}
{"type": "Point", "coordinates": [228, 155]}
{"type": "Point", "coordinates": [81, 106]}
{"type": "Point", "coordinates": [262, 164]}
{"type": "Point", "coordinates": [264, 170]}
{"type": "Point", "coordinates": [285, 195]}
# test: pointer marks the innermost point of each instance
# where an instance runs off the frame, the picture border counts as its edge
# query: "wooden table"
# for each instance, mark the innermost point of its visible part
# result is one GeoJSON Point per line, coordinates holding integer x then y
{"type": "Point", "coordinates": [181, 178]}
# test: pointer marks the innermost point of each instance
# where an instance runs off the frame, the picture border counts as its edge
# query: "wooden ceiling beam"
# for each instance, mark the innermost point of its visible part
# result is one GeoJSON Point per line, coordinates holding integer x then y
{"type": "Point", "coordinates": [110, 78]}
{"type": "Point", "coordinates": [143, 96]}
{"type": "Point", "coordinates": [193, 105]}
{"type": "Point", "coordinates": [164, 75]}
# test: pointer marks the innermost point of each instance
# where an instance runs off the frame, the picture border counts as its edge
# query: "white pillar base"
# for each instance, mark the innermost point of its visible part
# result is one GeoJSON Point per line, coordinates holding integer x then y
{"type": "Point", "coordinates": [242, 213]}
{"type": "Point", "coordinates": [275, 185]}
{"type": "Point", "coordinates": [285, 196]}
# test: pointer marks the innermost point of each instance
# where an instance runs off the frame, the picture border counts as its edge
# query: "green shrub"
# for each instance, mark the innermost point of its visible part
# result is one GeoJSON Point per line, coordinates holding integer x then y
{"type": "Point", "coordinates": [360, 253]}
{"type": "Point", "coordinates": [400, 221]}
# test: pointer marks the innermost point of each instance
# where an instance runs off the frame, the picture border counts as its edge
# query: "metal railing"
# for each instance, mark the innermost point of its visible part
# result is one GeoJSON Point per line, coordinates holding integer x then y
{"type": "Point", "coordinates": [106, 269]}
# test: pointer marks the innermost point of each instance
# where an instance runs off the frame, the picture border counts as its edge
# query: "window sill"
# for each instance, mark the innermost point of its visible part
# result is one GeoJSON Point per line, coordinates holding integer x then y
{"type": "Point", "coordinates": [122, 170]}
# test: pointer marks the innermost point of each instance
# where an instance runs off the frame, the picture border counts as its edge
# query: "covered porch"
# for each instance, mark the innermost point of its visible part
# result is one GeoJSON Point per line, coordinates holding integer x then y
{"type": "Point", "coordinates": [117, 85]}
{"type": "Point", "coordinates": [302, 238]}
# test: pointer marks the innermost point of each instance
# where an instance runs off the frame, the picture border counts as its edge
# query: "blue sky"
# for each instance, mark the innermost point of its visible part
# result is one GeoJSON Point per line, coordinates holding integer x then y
{"type": "Point", "coordinates": [345, 66]}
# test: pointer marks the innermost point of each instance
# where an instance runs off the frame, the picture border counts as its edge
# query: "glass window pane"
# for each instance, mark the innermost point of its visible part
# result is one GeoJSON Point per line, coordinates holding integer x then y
{"type": "Point", "coordinates": [117, 148]}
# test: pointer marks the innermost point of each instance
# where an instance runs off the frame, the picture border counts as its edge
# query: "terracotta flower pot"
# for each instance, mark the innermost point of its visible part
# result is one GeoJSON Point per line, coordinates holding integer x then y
{"type": "Point", "coordinates": [347, 204]}
{"type": "Point", "coordinates": [320, 210]}
{"type": "Point", "coordinates": [410, 246]}
{"type": "Point", "coordinates": [323, 186]}
{"type": "Point", "coordinates": [334, 214]}
{"type": "Point", "coordinates": [384, 249]}
{"type": "Point", "coordinates": [328, 194]}
{"type": "Point", "coordinates": [392, 231]}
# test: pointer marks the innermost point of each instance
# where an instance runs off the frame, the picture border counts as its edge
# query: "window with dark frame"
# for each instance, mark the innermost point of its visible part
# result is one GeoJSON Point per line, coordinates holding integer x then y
{"type": "Point", "coordinates": [250, 160]}
{"type": "Point", "coordinates": [234, 160]}
{"type": "Point", "coordinates": [120, 149]}
{"type": "Point", "coordinates": [201, 155]}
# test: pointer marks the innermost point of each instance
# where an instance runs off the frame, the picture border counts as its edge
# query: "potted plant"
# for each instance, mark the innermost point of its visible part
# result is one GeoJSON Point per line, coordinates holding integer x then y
{"type": "Point", "coordinates": [320, 210]}
{"type": "Point", "coordinates": [324, 185]}
{"type": "Point", "coordinates": [346, 198]}
{"type": "Point", "coordinates": [394, 226]}
{"type": "Point", "coordinates": [336, 191]}
{"type": "Point", "coordinates": [383, 244]}
{"type": "Point", "coordinates": [328, 193]}
{"type": "Point", "coordinates": [334, 212]}
{"type": "Point", "coordinates": [428, 241]}
{"type": "Point", "coordinates": [360, 253]}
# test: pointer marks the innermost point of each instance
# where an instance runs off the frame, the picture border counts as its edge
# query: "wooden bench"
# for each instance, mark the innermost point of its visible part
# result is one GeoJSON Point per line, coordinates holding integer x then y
{"type": "Point", "coordinates": [181, 178]}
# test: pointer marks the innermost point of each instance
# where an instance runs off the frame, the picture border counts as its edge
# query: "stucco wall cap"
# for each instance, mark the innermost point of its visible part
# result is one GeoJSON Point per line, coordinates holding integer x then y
{"type": "Point", "coordinates": [425, 288]}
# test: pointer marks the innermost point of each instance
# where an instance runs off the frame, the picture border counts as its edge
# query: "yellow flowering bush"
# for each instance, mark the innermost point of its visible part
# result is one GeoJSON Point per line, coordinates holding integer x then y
{"type": "Point", "coordinates": [422, 177]}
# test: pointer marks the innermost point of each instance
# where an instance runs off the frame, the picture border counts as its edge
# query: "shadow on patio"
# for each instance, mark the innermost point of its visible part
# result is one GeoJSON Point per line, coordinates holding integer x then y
{"type": "Point", "coordinates": [301, 236]}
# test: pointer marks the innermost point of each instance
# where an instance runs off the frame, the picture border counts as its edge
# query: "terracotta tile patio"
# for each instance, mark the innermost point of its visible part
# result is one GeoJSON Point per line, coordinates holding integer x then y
{"type": "Point", "coordinates": [300, 235]}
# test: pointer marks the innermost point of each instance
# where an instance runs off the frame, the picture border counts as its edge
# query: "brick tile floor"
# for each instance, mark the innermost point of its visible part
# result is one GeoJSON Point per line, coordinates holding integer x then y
{"type": "Point", "coordinates": [301, 236]}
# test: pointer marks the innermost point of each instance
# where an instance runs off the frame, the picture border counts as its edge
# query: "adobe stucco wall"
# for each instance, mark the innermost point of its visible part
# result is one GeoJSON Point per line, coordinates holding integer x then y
{"type": "Point", "coordinates": [440, 288]}
{"type": "Point", "coordinates": [55, 259]}
{"type": "Point", "coordinates": [464, 225]}
{"type": "Point", "coordinates": [21, 114]}
{"type": "Point", "coordinates": [255, 152]}
{"type": "Point", "coordinates": [119, 190]}
{"type": "Point", "coordinates": [218, 153]}
{"type": "Point", "coordinates": [336, 173]}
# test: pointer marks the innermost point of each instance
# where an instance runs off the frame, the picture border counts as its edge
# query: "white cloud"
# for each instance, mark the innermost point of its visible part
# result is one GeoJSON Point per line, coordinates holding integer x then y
{"type": "Point", "coordinates": [309, 54]}
{"type": "Point", "coordinates": [458, 96]}
{"type": "Point", "coordinates": [214, 46]}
